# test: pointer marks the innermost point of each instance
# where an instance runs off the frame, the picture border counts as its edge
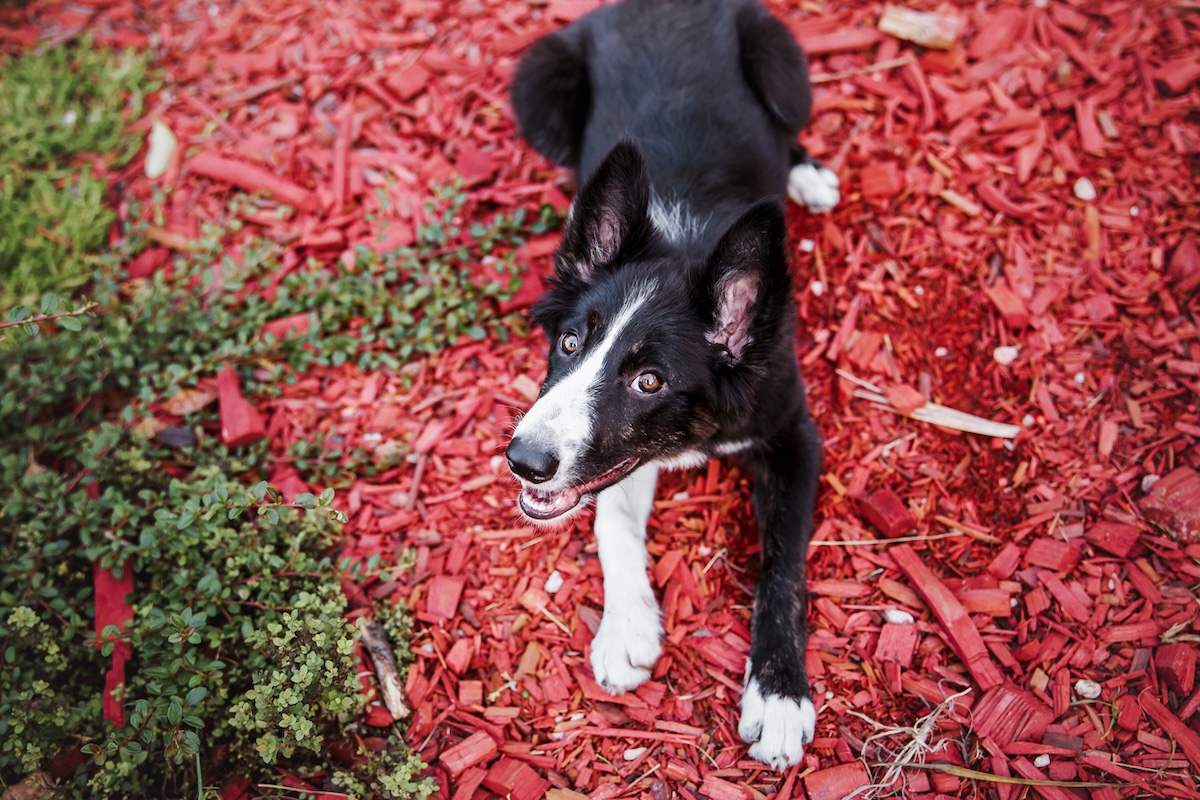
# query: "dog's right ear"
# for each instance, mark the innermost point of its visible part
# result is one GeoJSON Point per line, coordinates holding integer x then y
{"type": "Point", "coordinates": [608, 217]}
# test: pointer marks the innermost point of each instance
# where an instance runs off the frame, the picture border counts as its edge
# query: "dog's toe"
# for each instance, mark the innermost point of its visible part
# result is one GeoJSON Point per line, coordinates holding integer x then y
{"type": "Point", "coordinates": [776, 727]}
{"type": "Point", "coordinates": [625, 651]}
{"type": "Point", "coordinates": [814, 186]}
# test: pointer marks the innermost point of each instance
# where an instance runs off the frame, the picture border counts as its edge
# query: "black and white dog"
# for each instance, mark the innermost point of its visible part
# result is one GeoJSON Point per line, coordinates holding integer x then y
{"type": "Point", "coordinates": [670, 313]}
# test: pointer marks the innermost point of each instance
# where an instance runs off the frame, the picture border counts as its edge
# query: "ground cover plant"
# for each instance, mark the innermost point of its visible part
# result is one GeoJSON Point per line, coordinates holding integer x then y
{"type": "Point", "coordinates": [56, 105]}
{"type": "Point", "coordinates": [1017, 240]}
{"type": "Point", "coordinates": [238, 656]}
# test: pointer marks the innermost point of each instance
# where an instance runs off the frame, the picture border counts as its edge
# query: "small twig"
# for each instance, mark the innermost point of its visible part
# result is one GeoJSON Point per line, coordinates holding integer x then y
{"type": "Point", "coordinates": [386, 671]}
{"type": "Point", "coordinates": [891, 63]}
{"type": "Point", "coordinates": [875, 542]}
{"type": "Point", "coordinates": [976, 775]}
{"type": "Point", "coordinates": [88, 306]}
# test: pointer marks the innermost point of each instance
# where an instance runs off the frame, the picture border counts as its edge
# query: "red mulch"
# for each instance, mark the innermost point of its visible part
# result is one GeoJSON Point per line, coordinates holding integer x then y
{"type": "Point", "coordinates": [962, 230]}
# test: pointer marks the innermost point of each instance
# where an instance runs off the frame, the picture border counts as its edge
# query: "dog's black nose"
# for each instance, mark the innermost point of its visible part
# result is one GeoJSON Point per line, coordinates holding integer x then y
{"type": "Point", "coordinates": [530, 462]}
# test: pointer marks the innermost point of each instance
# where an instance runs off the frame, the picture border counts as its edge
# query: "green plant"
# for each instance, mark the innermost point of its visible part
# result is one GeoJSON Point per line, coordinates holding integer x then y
{"type": "Point", "coordinates": [244, 664]}
{"type": "Point", "coordinates": [256, 654]}
{"type": "Point", "coordinates": [55, 106]}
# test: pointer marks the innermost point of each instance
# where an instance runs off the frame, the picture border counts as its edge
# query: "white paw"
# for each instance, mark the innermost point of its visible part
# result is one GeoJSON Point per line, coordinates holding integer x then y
{"type": "Point", "coordinates": [776, 728]}
{"type": "Point", "coordinates": [625, 650]}
{"type": "Point", "coordinates": [814, 187]}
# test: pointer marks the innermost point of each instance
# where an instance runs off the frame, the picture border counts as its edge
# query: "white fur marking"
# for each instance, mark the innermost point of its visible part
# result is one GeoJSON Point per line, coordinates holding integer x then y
{"type": "Point", "coordinates": [814, 187]}
{"type": "Point", "coordinates": [627, 645]}
{"type": "Point", "coordinates": [776, 728]}
{"type": "Point", "coordinates": [564, 414]}
{"type": "Point", "coordinates": [673, 220]}
{"type": "Point", "coordinates": [729, 448]}
{"type": "Point", "coordinates": [685, 460]}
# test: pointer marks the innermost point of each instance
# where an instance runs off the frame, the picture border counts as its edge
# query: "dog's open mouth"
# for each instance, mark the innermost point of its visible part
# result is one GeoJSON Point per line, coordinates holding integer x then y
{"type": "Point", "coordinates": [542, 505]}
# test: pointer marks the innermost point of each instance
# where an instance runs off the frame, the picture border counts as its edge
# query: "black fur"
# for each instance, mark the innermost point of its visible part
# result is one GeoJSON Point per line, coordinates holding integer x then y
{"type": "Point", "coordinates": [695, 102]}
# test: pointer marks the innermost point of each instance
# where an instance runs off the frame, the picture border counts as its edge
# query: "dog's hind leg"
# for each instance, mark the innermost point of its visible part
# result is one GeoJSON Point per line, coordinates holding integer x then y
{"type": "Point", "coordinates": [551, 97]}
{"type": "Point", "coordinates": [627, 645]}
{"type": "Point", "coordinates": [778, 716]}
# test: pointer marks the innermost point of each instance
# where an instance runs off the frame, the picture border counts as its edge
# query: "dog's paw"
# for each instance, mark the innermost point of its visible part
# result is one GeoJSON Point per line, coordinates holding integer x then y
{"type": "Point", "coordinates": [776, 727]}
{"type": "Point", "coordinates": [625, 651]}
{"type": "Point", "coordinates": [814, 186]}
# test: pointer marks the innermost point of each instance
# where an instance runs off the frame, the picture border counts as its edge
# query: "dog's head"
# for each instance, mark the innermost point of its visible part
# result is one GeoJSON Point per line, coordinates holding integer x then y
{"type": "Point", "coordinates": [653, 357]}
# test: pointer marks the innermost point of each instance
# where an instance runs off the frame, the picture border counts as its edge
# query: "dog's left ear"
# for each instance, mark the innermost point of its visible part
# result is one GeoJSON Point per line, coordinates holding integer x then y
{"type": "Point", "coordinates": [608, 216]}
{"type": "Point", "coordinates": [747, 279]}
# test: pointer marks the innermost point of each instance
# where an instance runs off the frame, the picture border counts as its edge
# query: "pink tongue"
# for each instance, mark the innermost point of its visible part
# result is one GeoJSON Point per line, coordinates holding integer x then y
{"type": "Point", "coordinates": [548, 505]}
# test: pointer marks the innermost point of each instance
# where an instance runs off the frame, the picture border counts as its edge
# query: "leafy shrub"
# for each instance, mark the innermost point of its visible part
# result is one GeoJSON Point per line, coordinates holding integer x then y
{"type": "Point", "coordinates": [242, 658]}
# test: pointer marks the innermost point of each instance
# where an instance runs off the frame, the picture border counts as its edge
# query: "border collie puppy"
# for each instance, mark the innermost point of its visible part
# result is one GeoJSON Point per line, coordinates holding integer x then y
{"type": "Point", "coordinates": [670, 313]}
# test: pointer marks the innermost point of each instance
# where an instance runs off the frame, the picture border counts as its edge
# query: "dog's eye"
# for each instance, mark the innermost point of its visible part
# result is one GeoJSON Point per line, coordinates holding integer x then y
{"type": "Point", "coordinates": [648, 383]}
{"type": "Point", "coordinates": [569, 343]}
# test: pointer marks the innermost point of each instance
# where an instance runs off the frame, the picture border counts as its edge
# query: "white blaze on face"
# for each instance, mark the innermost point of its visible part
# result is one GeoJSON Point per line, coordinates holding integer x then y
{"type": "Point", "coordinates": [563, 417]}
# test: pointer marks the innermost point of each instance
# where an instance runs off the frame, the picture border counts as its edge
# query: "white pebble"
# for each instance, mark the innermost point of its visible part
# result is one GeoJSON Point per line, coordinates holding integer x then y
{"type": "Point", "coordinates": [496, 463]}
{"type": "Point", "coordinates": [1084, 190]}
{"type": "Point", "coordinates": [1028, 420]}
{"type": "Point", "coordinates": [807, 245]}
{"type": "Point", "coordinates": [829, 695]}
{"type": "Point", "coordinates": [1006, 354]}
{"type": "Point", "coordinates": [1112, 585]}
{"type": "Point", "coordinates": [1042, 761]}
{"type": "Point", "coordinates": [162, 144]}
{"type": "Point", "coordinates": [1086, 688]}
{"type": "Point", "coordinates": [897, 617]}
{"type": "Point", "coordinates": [554, 582]}
{"type": "Point", "coordinates": [373, 437]}
{"type": "Point", "coordinates": [1148, 481]}
{"type": "Point", "coordinates": [941, 352]}
{"type": "Point", "coordinates": [70, 117]}
{"type": "Point", "coordinates": [1080, 377]}
{"type": "Point", "coordinates": [1134, 211]}
{"type": "Point", "coordinates": [817, 288]}
{"type": "Point", "coordinates": [634, 753]}
{"type": "Point", "coordinates": [918, 290]}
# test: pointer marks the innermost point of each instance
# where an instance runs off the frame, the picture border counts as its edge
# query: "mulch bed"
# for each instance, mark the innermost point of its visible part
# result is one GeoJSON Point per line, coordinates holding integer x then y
{"type": "Point", "coordinates": [1017, 240]}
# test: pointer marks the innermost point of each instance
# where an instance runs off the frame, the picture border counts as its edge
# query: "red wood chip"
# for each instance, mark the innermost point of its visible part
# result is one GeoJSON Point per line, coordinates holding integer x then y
{"type": "Point", "coordinates": [1008, 714]}
{"type": "Point", "coordinates": [837, 782]}
{"type": "Point", "coordinates": [478, 748]}
{"type": "Point", "coordinates": [716, 789]}
{"type": "Point", "coordinates": [896, 643]}
{"type": "Point", "coordinates": [904, 398]}
{"type": "Point", "coordinates": [1114, 537]}
{"type": "Point", "coordinates": [960, 631]}
{"type": "Point", "coordinates": [1052, 554]}
{"type": "Point", "coordinates": [1187, 739]}
{"type": "Point", "coordinates": [514, 779]}
{"type": "Point", "coordinates": [1173, 503]}
{"type": "Point", "coordinates": [1176, 665]}
{"type": "Point", "coordinates": [887, 512]}
{"type": "Point", "coordinates": [241, 423]}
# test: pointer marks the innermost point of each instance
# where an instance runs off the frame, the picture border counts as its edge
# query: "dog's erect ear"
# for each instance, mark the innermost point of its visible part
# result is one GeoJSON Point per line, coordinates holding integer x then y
{"type": "Point", "coordinates": [608, 215]}
{"type": "Point", "coordinates": [747, 279]}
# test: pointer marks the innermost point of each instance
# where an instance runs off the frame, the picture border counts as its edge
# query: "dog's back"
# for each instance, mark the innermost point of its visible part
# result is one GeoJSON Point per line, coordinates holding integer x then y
{"type": "Point", "coordinates": [680, 78]}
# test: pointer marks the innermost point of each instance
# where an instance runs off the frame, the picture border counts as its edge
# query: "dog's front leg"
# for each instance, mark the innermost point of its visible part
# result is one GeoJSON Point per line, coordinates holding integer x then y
{"type": "Point", "coordinates": [627, 645]}
{"type": "Point", "coordinates": [778, 717]}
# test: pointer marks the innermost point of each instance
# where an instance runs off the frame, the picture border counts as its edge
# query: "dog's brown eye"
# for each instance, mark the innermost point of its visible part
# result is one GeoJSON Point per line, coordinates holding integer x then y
{"type": "Point", "coordinates": [569, 343]}
{"type": "Point", "coordinates": [648, 383]}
